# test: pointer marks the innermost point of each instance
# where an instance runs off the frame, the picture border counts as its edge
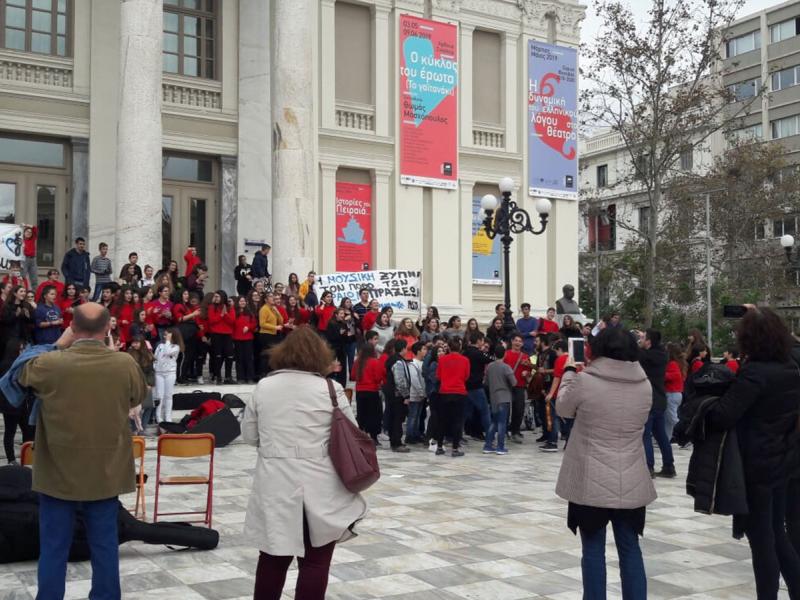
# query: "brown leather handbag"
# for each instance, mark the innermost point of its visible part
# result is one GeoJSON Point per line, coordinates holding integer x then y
{"type": "Point", "coordinates": [351, 450]}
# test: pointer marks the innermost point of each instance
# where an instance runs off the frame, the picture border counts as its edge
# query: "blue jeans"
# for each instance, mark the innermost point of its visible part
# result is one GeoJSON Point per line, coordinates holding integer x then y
{"type": "Point", "coordinates": [56, 526]}
{"type": "Point", "coordinates": [412, 422]}
{"type": "Point", "coordinates": [671, 417]}
{"type": "Point", "coordinates": [631, 565]}
{"type": "Point", "coordinates": [498, 426]}
{"type": "Point", "coordinates": [476, 401]}
{"type": "Point", "coordinates": [655, 427]}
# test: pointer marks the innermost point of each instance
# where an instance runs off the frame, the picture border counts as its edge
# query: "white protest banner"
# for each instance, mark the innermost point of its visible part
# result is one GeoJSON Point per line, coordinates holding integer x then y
{"type": "Point", "coordinates": [10, 244]}
{"type": "Point", "coordinates": [398, 289]}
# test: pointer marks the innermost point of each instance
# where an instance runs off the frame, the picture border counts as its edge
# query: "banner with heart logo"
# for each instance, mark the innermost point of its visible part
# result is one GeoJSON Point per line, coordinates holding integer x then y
{"type": "Point", "coordinates": [429, 100]}
{"type": "Point", "coordinates": [552, 121]}
{"type": "Point", "coordinates": [10, 244]}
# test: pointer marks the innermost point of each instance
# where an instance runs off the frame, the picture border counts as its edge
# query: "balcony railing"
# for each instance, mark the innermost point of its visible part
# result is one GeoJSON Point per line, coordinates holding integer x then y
{"type": "Point", "coordinates": [191, 92]}
{"type": "Point", "coordinates": [34, 70]}
{"type": "Point", "coordinates": [352, 115]}
{"type": "Point", "coordinates": [485, 135]}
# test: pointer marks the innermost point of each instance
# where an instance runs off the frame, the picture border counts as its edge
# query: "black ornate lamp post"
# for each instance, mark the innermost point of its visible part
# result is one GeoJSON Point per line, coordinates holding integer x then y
{"type": "Point", "coordinates": [510, 219]}
{"type": "Point", "coordinates": [793, 262]}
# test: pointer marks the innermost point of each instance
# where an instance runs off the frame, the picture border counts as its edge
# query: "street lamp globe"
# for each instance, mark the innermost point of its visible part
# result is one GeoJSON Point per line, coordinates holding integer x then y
{"type": "Point", "coordinates": [787, 241]}
{"type": "Point", "coordinates": [543, 206]}
{"type": "Point", "coordinates": [506, 185]}
{"type": "Point", "coordinates": [489, 202]}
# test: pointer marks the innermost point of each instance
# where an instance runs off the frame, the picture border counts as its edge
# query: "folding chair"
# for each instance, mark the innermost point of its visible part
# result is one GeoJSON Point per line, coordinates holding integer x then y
{"type": "Point", "coordinates": [26, 454]}
{"type": "Point", "coordinates": [138, 454]}
{"type": "Point", "coordinates": [186, 445]}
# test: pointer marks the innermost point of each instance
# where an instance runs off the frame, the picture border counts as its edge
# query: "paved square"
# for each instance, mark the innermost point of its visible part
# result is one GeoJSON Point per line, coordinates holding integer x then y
{"type": "Point", "coordinates": [439, 528]}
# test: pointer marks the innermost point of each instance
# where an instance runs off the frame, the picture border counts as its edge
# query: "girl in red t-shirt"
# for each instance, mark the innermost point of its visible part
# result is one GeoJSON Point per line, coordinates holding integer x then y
{"type": "Point", "coordinates": [243, 333]}
{"type": "Point", "coordinates": [452, 371]}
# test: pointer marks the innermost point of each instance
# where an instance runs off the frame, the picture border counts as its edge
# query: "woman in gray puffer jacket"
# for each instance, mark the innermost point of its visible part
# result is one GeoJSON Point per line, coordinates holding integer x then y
{"type": "Point", "coordinates": [604, 474]}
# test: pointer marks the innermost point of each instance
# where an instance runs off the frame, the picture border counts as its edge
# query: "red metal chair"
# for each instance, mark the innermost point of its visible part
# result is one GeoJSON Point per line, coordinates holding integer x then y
{"type": "Point", "coordinates": [187, 445]}
{"type": "Point", "coordinates": [138, 454]}
{"type": "Point", "coordinates": [26, 454]}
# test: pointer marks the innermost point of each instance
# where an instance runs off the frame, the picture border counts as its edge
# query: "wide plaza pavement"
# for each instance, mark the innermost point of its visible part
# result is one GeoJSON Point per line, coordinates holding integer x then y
{"type": "Point", "coordinates": [440, 528]}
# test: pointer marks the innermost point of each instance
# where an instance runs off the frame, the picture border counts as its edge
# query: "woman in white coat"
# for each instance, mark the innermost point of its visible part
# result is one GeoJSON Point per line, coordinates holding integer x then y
{"type": "Point", "coordinates": [298, 505]}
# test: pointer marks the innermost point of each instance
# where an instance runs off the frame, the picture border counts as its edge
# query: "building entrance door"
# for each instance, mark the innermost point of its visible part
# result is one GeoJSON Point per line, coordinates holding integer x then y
{"type": "Point", "coordinates": [189, 219]}
{"type": "Point", "coordinates": [41, 199]}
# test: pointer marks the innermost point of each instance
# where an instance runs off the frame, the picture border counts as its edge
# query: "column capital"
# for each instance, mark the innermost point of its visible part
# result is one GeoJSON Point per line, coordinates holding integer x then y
{"type": "Point", "coordinates": [381, 175]}
{"type": "Point", "coordinates": [465, 184]}
{"type": "Point", "coordinates": [228, 161]}
{"type": "Point", "coordinates": [382, 8]}
{"type": "Point", "coordinates": [328, 169]}
{"type": "Point", "coordinates": [467, 28]}
{"type": "Point", "coordinates": [327, 3]}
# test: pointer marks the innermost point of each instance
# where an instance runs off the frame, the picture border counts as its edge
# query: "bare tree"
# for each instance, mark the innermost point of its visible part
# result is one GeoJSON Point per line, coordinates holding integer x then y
{"type": "Point", "coordinates": [659, 86]}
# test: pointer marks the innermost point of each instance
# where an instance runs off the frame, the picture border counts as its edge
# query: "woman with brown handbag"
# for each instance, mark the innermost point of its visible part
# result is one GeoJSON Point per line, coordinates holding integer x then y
{"type": "Point", "coordinates": [299, 506]}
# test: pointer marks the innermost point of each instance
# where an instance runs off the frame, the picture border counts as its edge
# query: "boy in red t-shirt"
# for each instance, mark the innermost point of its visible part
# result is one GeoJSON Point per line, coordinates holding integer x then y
{"type": "Point", "coordinates": [549, 323]}
{"type": "Point", "coordinates": [560, 348]}
{"type": "Point", "coordinates": [520, 363]}
{"type": "Point", "coordinates": [30, 233]}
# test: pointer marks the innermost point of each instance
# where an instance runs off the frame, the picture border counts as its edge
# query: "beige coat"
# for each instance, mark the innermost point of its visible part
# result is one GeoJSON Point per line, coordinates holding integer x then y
{"type": "Point", "coordinates": [604, 464]}
{"type": "Point", "coordinates": [289, 420]}
{"type": "Point", "coordinates": [83, 439]}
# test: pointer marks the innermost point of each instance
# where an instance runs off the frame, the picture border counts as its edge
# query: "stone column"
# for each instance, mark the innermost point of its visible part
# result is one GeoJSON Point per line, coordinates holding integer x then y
{"type": "Point", "coordinates": [80, 189]}
{"type": "Point", "coordinates": [255, 149]}
{"type": "Point", "coordinates": [510, 110]}
{"type": "Point", "coordinates": [228, 221]}
{"type": "Point", "coordinates": [327, 57]}
{"type": "Point", "coordinates": [382, 69]}
{"type": "Point", "coordinates": [294, 172]}
{"type": "Point", "coordinates": [465, 84]}
{"type": "Point", "coordinates": [381, 219]}
{"type": "Point", "coordinates": [139, 134]}
{"type": "Point", "coordinates": [327, 258]}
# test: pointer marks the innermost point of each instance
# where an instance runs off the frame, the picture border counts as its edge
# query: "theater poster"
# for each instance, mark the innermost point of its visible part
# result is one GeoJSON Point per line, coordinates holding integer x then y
{"type": "Point", "coordinates": [353, 226]}
{"type": "Point", "coordinates": [429, 100]}
{"type": "Point", "coordinates": [485, 251]}
{"type": "Point", "coordinates": [552, 121]}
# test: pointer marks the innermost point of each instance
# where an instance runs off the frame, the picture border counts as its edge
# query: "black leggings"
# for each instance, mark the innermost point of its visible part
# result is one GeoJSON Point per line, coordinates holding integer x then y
{"type": "Point", "coordinates": [368, 415]}
{"type": "Point", "coordinates": [245, 368]}
{"type": "Point", "coordinates": [772, 552]}
{"type": "Point", "coordinates": [10, 422]}
{"type": "Point", "coordinates": [221, 351]}
{"type": "Point", "coordinates": [451, 418]}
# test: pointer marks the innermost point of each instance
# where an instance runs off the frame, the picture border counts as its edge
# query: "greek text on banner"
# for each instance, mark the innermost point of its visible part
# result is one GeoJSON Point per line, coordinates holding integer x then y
{"type": "Point", "coordinates": [395, 288]}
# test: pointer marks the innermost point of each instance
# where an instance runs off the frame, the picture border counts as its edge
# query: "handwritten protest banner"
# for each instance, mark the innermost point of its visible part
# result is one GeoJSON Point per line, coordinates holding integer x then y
{"type": "Point", "coordinates": [395, 288]}
{"type": "Point", "coordinates": [10, 244]}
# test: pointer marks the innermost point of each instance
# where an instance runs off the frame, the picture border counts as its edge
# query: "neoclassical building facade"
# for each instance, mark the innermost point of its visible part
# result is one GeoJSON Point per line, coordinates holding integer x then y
{"type": "Point", "coordinates": [157, 124]}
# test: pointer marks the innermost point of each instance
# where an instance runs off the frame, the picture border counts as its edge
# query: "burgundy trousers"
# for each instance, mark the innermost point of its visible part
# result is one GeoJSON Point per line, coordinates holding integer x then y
{"type": "Point", "coordinates": [312, 576]}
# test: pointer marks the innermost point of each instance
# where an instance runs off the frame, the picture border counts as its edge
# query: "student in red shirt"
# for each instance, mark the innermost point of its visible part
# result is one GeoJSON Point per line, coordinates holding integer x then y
{"type": "Point", "coordinates": [191, 259]}
{"type": "Point", "coordinates": [452, 371]}
{"type": "Point", "coordinates": [296, 315]}
{"type": "Point", "coordinates": [53, 281]}
{"type": "Point", "coordinates": [125, 311]}
{"type": "Point", "coordinates": [674, 377]}
{"type": "Point", "coordinates": [369, 373]}
{"type": "Point", "coordinates": [549, 323]}
{"type": "Point", "coordinates": [520, 363]}
{"type": "Point", "coordinates": [369, 318]}
{"type": "Point", "coordinates": [243, 333]}
{"type": "Point", "coordinates": [67, 303]}
{"type": "Point", "coordinates": [730, 358]}
{"type": "Point", "coordinates": [14, 276]}
{"type": "Point", "coordinates": [221, 320]}
{"type": "Point", "coordinates": [324, 311]}
{"type": "Point", "coordinates": [30, 270]}
{"type": "Point", "coordinates": [560, 348]}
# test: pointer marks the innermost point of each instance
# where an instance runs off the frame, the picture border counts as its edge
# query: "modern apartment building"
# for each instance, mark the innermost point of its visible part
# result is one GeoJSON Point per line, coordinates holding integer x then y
{"type": "Point", "coordinates": [761, 54]}
{"type": "Point", "coordinates": [220, 124]}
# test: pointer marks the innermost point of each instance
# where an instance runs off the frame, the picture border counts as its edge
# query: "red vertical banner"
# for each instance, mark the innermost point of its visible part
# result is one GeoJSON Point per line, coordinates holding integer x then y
{"type": "Point", "coordinates": [353, 226]}
{"type": "Point", "coordinates": [429, 100]}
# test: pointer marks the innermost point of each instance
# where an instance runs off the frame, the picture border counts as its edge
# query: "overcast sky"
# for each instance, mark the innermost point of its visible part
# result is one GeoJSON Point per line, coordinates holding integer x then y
{"type": "Point", "coordinates": [592, 23]}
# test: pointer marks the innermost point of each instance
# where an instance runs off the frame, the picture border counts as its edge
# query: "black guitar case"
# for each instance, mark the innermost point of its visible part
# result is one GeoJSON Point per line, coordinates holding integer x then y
{"type": "Point", "coordinates": [192, 400]}
{"type": "Point", "coordinates": [19, 524]}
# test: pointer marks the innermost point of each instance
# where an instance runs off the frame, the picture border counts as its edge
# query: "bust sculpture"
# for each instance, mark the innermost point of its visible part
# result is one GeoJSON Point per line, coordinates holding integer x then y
{"type": "Point", "coordinates": [567, 304]}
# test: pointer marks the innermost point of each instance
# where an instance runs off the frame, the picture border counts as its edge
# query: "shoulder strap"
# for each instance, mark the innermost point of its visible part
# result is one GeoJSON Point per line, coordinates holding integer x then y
{"type": "Point", "coordinates": [519, 360]}
{"type": "Point", "coordinates": [332, 393]}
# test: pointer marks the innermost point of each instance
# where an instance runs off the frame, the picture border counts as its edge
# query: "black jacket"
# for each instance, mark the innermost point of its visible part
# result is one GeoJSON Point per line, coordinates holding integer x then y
{"type": "Point", "coordinates": [477, 366]}
{"type": "Point", "coordinates": [763, 403]}
{"type": "Point", "coordinates": [76, 267]}
{"type": "Point", "coordinates": [654, 362]}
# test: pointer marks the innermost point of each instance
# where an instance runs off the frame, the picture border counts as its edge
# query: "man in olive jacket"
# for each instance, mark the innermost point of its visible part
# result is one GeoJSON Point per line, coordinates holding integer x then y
{"type": "Point", "coordinates": [83, 448]}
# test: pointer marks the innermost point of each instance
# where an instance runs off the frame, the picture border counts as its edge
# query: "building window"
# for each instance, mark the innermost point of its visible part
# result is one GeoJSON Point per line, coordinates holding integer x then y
{"type": "Point", "coordinates": [786, 225]}
{"type": "Point", "coordinates": [743, 43]}
{"type": "Point", "coordinates": [188, 169]}
{"type": "Point", "coordinates": [644, 220]}
{"type": "Point", "coordinates": [487, 72]}
{"type": "Point", "coordinates": [760, 230]}
{"type": "Point", "coordinates": [40, 26]}
{"type": "Point", "coordinates": [749, 134]}
{"type": "Point", "coordinates": [785, 127]}
{"type": "Point", "coordinates": [602, 176]}
{"type": "Point", "coordinates": [744, 90]}
{"type": "Point", "coordinates": [687, 159]}
{"type": "Point", "coordinates": [783, 31]}
{"type": "Point", "coordinates": [354, 54]}
{"type": "Point", "coordinates": [785, 78]}
{"type": "Point", "coordinates": [24, 151]}
{"type": "Point", "coordinates": [603, 230]}
{"type": "Point", "coordinates": [190, 38]}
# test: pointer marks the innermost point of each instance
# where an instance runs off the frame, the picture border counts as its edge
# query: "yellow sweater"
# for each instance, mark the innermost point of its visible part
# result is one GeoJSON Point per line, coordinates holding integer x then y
{"type": "Point", "coordinates": [269, 319]}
